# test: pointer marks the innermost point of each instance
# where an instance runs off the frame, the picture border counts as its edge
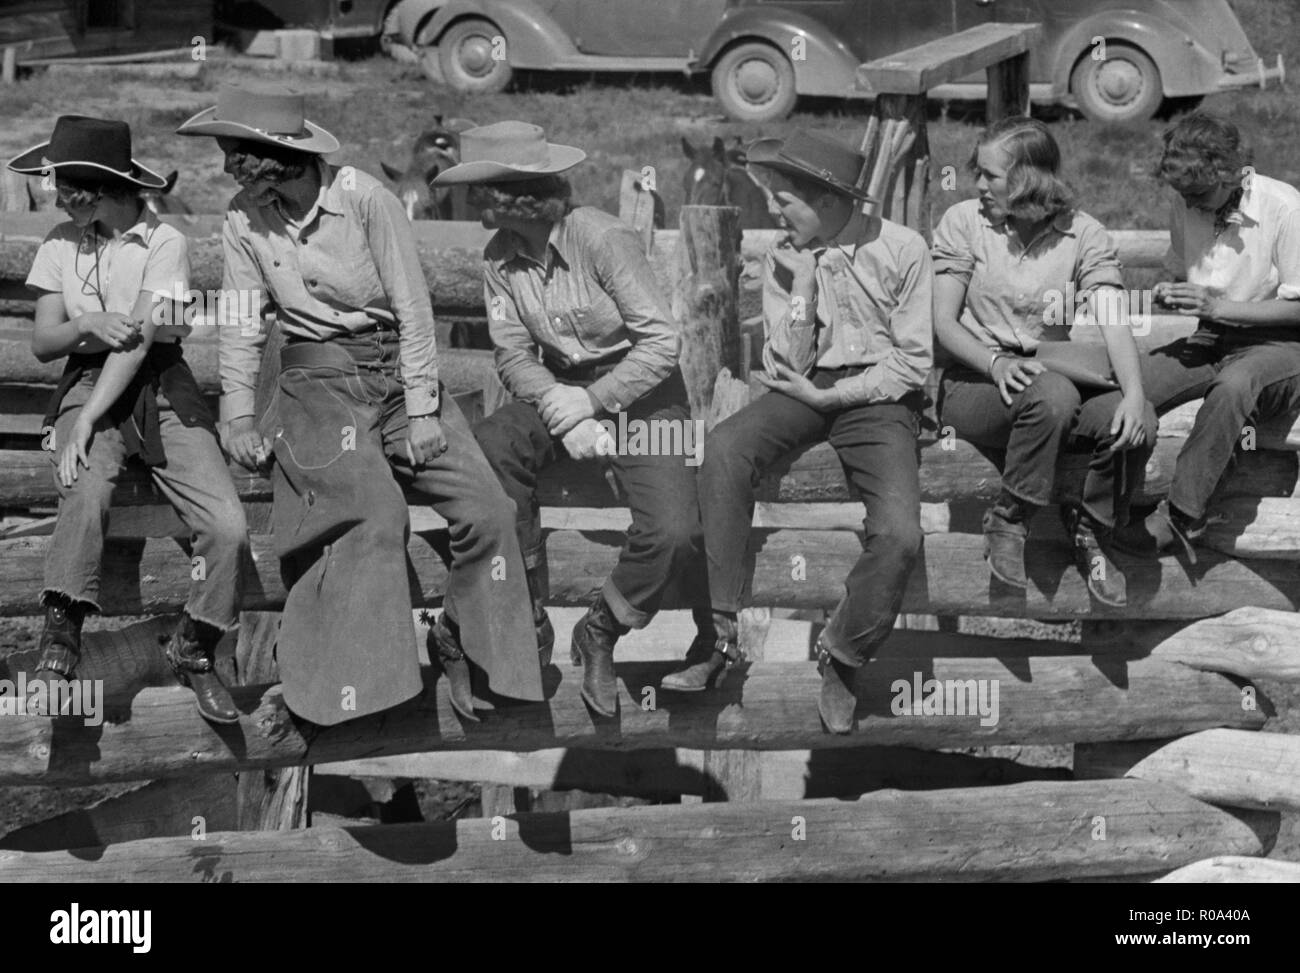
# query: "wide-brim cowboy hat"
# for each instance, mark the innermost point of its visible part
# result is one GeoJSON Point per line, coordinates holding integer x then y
{"type": "Point", "coordinates": [811, 156]}
{"type": "Point", "coordinates": [508, 152]}
{"type": "Point", "coordinates": [272, 115]}
{"type": "Point", "coordinates": [87, 149]}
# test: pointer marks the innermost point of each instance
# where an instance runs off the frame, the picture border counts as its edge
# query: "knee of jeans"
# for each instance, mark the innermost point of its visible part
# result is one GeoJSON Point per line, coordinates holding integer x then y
{"type": "Point", "coordinates": [723, 455]}
{"type": "Point", "coordinates": [672, 539]}
{"type": "Point", "coordinates": [1051, 396]}
{"type": "Point", "coordinates": [899, 536]}
{"type": "Point", "coordinates": [226, 527]}
{"type": "Point", "coordinates": [1233, 386]}
{"type": "Point", "coordinates": [492, 516]}
{"type": "Point", "coordinates": [89, 494]}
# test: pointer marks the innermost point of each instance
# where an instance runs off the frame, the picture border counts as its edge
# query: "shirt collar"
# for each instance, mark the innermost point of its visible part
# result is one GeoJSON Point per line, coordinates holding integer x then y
{"type": "Point", "coordinates": [145, 225]}
{"type": "Point", "coordinates": [850, 234]}
{"type": "Point", "coordinates": [1247, 208]}
{"type": "Point", "coordinates": [328, 198]}
{"type": "Point", "coordinates": [1062, 222]}
{"type": "Point", "coordinates": [556, 244]}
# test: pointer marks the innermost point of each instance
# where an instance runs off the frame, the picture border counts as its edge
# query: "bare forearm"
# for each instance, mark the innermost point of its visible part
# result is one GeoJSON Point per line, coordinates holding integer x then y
{"type": "Point", "coordinates": [1124, 358]}
{"type": "Point", "coordinates": [1247, 314]}
{"type": "Point", "coordinates": [53, 341]}
{"type": "Point", "coordinates": [962, 345]}
{"type": "Point", "coordinates": [114, 377]}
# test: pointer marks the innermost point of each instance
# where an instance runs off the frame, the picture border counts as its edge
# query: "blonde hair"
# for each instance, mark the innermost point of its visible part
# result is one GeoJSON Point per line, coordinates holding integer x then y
{"type": "Point", "coordinates": [1035, 189]}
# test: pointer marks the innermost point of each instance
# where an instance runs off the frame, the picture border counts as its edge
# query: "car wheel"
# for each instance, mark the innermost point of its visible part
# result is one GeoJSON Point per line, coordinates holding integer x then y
{"type": "Point", "coordinates": [755, 83]}
{"type": "Point", "coordinates": [471, 56]}
{"type": "Point", "coordinates": [1122, 87]}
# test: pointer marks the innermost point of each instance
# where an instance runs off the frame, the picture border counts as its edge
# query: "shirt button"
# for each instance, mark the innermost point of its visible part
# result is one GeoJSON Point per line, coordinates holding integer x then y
{"type": "Point", "coordinates": [312, 282]}
{"type": "Point", "coordinates": [577, 358]}
{"type": "Point", "coordinates": [276, 262]}
{"type": "Point", "coordinates": [557, 322]}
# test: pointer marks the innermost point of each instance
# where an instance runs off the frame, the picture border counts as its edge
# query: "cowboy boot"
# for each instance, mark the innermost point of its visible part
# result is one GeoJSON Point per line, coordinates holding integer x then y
{"type": "Point", "coordinates": [1106, 582]}
{"type": "Point", "coordinates": [716, 650]}
{"type": "Point", "coordinates": [60, 643]}
{"type": "Point", "coordinates": [836, 702]}
{"type": "Point", "coordinates": [1164, 528]}
{"type": "Point", "coordinates": [1006, 525]}
{"type": "Point", "coordinates": [538, 590]}
{"type": "Point", "coordinates": [593, 649]}
{"type": "Point", "coordinates": [444, 642]}
{"type": "Point", "coordinates": [190, 652]}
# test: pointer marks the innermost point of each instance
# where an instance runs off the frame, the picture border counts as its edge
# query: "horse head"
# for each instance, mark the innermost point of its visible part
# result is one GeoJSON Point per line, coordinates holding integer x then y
{"type": "Point", "coordinates": [718, 176]}
{"type": "Point", "coordinates": [161, 201]}
{"type": "Point", "coordinates": [434, 151]}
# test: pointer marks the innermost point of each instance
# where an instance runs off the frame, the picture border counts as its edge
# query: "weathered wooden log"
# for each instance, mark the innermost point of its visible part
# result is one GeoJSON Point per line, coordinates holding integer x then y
{"type": "Point", "coordinates": [784, 774]}
{"type": "Point", "coordinates": [1226, 767]}
{"type": "Point", "coordinates": [766, 706]}
{"type": "Point", "coordinates": [1253, 643]}
{"type": "Point", "coordinates": [1023, 832]}
{"type": "Point", "coordinates": [1008, 88]}
{"type": "Point", "coordinates": [1236, 868]}
{"type": "Point", "coordinates": [957, 474]}
{"type": "Point", "coordinates": [182, 806]}
{"type": "Point", "coordinates": [705, 292]}
{"type": "Point", "coordinates": [794, 569]}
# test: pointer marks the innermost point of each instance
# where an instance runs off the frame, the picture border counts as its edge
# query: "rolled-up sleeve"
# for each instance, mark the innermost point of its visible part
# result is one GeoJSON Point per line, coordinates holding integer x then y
{"type": "Point", "coordinates": [1097, 263]}
{"type": "Point", "coordinates": [1286, 257]}
{"type": "Point", "coordinates": [911, 323]}
{"type": "Point", "coordinates": [523, 375]}
{"type": "Point", "coordinates": [789, 331]}
{"type": "Point", "coordinates": [392, 245]}
{"type": "Point", "coordinates": [624, 272]}
{"type": "Point", "coordinates": [952, 251]}
{"type": "Point", "coordinates": [240, 336]}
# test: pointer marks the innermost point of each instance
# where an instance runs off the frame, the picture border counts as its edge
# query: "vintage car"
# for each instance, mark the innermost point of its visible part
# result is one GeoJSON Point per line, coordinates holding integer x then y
{"type": "Point", "coordinates": [1115, 60]}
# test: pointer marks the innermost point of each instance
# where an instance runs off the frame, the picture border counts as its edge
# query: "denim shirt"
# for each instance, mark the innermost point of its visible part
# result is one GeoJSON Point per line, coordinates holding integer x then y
{"type": "Point", "coordinates": [594, 299]}
{"type": "Point", "coordinates": [871, 308]}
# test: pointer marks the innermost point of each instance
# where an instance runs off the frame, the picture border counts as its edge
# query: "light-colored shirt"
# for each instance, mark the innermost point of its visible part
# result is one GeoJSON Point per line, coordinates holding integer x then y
{"type": "Point", "coordinates": [1015, 292]}
{"type": "Point", "coordinates": [871, 308]}
{"type": "Point", "coordinates": [594, 299]}
{"type": "Point", "coordinates": [349, 263]}
{"type": "Point", "coordinates": [151, 257]}
{"type": "Point", "coordinates": [1257, 258]}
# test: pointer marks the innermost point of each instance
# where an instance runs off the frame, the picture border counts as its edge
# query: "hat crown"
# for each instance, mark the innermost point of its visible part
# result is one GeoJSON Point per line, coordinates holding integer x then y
{"type": "Point", "coordinates": [273, 109]}
{"type": "Point", "coordinates": [80, 138]}
{"type": "Point", "coordinates": [808, 153]}
{"type": "Point", "coordinates": [507, 143]}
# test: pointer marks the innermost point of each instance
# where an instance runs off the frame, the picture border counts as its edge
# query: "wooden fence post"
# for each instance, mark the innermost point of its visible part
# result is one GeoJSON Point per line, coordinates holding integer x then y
{"type": "Point", "coordinates": [1008, 88]}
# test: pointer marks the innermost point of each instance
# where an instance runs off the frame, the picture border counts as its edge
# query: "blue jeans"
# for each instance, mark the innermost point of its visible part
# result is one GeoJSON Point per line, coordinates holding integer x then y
{"type": "Point", "coordinates": [1240, 383]}
{"type": "Point", "coordinates": [195, 480]}
{"type": "Point", "coordinates": [877, 446]}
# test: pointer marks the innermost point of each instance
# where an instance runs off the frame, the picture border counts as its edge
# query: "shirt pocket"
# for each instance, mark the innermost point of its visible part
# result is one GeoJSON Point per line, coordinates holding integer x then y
{"type": "Point", "coordinates": [595, 326]}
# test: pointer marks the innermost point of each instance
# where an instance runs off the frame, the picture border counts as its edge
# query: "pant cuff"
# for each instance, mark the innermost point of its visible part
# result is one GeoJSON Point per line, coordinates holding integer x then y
{"type": "Point", "coordinates": [90, 603]}
{"type": "Point", "coordinates": [827, 641]}
{"type": "Point", "coordinates": [220, 626]}
{"type": "Point", "coordinates": [1031, 501]}
{"type": "Point", "coordinates": [622, 608]}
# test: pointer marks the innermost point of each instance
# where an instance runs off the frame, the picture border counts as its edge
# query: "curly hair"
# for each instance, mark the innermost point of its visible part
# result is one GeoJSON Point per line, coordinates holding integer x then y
{"type": "Point", "coordinates": [1035, 189]}
{"type": "Point", "coordinates": [1201, 151]}
{"type": "Point", "coordinates": [251, 160]}
{"type": "Point", "coordinates": [544, 199]}
{"type": "Point", "coordinates": [80, 193]}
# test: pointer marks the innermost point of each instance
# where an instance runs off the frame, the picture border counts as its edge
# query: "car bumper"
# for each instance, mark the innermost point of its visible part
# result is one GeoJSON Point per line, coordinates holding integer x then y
{"type": "Point", "coordinates": [1261, 76]}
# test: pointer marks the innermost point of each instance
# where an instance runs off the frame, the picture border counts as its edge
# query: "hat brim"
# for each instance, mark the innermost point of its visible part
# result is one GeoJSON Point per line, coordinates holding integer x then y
{"type": "Point", "coordinates": [32, 162]}
{"type": "Point", "coordinates": [561, 158]}
{"type": "Point", "coordinates": [317, 141]}
{"type": "Point", "coordinates": [770, 153]}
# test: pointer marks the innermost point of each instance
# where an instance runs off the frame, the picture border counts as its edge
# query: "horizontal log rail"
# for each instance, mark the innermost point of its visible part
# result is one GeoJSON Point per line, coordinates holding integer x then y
{"type": "Point", "coordinates": [1049, 698]}
{"type": "Point", "coordinates": [1027, 832]}
{"type": "Point", "coordinates": [793, 569]}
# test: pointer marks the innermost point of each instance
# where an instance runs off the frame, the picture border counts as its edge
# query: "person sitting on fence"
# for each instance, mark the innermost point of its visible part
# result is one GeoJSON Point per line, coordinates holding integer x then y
{"type": "Point", "coordinates": [576, 284]}
{"type": "Point", "coordinates": [849, 343]}
{"type": "Point", "coordinates": [1011, 268]}
{"type": "Point", "coordinates": [1235, 259]}
{"type": "Point", "coordinates": [108, 282]}
{"type": "Point", "coordinates": [330, 252]}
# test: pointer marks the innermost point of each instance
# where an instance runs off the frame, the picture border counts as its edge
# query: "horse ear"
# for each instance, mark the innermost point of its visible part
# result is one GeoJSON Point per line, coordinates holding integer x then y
{"type": "Point", "coordinates": [719, 148]}
{"type": "Point", "coordinates": [391, 173]}
{"type": "Point", "coordinates": [688, 149]}
{"type": "Point", "coordinates": [171, 182]}
{"type": "Point", "coordinates": [437, 119]}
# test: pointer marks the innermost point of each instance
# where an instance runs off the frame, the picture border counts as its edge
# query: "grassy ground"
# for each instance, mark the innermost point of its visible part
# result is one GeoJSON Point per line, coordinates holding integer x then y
{"type": "Point", "coordinates": [377, 106]}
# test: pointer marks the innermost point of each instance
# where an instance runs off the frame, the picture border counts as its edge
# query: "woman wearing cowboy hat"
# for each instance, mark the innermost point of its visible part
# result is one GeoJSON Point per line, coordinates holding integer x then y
{"type": "Point", "coordinates": [330, 253]}
{"type": "Point", "coordinates": [846, 314]}
{"type": "Point", "coordinates": [106, 280]}
{"type": "Point", "coordinates": [574, 284]}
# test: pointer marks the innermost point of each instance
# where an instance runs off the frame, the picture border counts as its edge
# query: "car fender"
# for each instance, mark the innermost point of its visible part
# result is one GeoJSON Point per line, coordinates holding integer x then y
{"type": "Point", "coordinates": [828, 67]}
{"type": "Point", "coordinates": [533, 38]}
{"type": "Point", "coordinates": [1186, 66]}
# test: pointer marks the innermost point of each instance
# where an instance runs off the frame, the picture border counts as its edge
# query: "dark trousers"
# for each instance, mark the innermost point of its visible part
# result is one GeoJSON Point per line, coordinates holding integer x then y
{"type": "Point", "coordinates": [877, 447]}
{"type": "Point", "coordinates": [1240, 384]}
{"type": "Point", "coordinates": [664, 541]}
{"type": "Point", "coordinates": [1025, 439]}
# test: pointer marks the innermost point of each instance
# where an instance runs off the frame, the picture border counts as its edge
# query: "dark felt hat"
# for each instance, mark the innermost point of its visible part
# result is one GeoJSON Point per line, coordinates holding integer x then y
{"type": "Point", "coordinates": [816, 157]}
{"type": "Point", "coordinates": [87, 149]}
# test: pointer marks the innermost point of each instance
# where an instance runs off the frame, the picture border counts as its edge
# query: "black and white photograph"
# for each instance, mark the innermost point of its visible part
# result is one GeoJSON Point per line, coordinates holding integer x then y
{"type": "Point", "coordinates": [651, 441]}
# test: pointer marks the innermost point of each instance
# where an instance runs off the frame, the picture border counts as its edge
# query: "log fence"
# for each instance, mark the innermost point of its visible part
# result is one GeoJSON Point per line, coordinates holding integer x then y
{"type": "Point", "coordinates": [1168, 775]}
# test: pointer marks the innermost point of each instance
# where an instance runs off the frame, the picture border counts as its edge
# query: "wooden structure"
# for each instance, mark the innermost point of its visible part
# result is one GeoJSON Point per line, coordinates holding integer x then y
{"type": "Point", "coordinates": [1170, 775]}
